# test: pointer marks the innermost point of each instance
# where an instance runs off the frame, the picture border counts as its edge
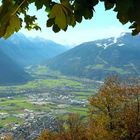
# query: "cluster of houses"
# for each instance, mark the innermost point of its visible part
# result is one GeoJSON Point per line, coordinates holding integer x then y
{"type": "Point", "coordinates": [32, 128]}
{"type": "Point", "coordinates": [36, 122]}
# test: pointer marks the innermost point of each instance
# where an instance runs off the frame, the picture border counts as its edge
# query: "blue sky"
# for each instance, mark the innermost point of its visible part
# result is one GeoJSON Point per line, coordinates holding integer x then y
{"type": "Point", "coordinates": [103, 25]}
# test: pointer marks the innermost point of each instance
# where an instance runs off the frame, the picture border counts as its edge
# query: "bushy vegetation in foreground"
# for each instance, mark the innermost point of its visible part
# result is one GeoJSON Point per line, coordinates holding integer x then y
{"type": "Point", "coordinates": [114, 114]}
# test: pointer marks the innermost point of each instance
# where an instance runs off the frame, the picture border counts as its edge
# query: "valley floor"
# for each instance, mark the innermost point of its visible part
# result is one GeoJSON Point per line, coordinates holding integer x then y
{"type": "Point", "coordinates": [40, 101]}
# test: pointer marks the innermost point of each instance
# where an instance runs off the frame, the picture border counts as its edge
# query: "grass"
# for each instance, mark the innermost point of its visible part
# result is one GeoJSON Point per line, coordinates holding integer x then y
{"type": "Point", "coordinates": [10, 120]}
{"type": "Point", "coordinates": [18, 104]}
{"type": "Point", "coordinates": [101, 66]}
{"type": "Point", "coordinates": [80, 97]}
{"type": "Point", "coordinates": [118, 70]}
{"type": "Point", "coordinates": [80, 110]}
{"type": "Point", "coordinates": [40, 70]}
{"type": "Point", "coordinates": [79, 93]}
{"type": "Point", "coordinates": [52, 83]}
{"type": "Point", "coordinates": [98, 66]}
{"type": "Point", "coordinates": [39, 84]}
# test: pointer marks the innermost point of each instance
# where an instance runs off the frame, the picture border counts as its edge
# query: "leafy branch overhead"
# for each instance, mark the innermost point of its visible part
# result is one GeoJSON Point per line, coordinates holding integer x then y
{"type": "Point", "coordinates": [63, 13]}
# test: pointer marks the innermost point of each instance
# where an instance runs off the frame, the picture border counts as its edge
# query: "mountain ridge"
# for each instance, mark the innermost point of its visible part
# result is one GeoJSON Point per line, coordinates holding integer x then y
{"type": "Point", "coordinates": [30, 51]}
{"type": "Point", "coordinates": [18, 52]}
{"type": "Point", "coordinates": [11, 72]}
{"type": "Point", "coordinates": [100, 58]}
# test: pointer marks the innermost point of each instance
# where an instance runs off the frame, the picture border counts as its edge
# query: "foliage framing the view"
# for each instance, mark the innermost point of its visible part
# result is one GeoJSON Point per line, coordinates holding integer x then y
{"type": "Point", "coordinates": [63, 13]}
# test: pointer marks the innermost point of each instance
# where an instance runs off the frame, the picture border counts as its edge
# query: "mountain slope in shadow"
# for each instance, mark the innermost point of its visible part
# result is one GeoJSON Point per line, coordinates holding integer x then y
{"type": "Point", "coordinates": [11, 72]}
{"type": "Point", "coordinates": [30, 51]}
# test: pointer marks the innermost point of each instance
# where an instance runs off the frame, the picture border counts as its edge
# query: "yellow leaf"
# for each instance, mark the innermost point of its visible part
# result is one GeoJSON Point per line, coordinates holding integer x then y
{"type": "Point", "coordinates": [14, 26]}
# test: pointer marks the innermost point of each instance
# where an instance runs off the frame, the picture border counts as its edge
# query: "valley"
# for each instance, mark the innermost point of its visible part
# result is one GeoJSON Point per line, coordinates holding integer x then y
{"type": "Point", "coordinates": [69, 70]}
{"type": "Point", "coordinates": [42, 82]}
{"type": "Point", "coordinates": [52, 96]}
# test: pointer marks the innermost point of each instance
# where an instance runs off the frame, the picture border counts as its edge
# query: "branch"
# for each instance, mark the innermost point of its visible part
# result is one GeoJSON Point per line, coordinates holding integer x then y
{"type": "Point", "coordinates": [18, 7]}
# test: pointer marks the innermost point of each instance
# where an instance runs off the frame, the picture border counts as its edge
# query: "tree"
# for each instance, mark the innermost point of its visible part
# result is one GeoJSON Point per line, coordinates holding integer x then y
{"type": "Point", "coordinates": [115, 111]}
{"type": "Point", "coordinates": [73, 129]}
{"type": "Point", "coordinates": [114, 115]}
{"type": "Point", "coordinates": [63, 13]}
{"type": "Point", "coordinates": [8, 137]}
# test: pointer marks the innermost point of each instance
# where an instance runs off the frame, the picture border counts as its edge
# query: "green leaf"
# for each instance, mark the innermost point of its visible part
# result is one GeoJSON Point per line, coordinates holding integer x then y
{"type": "Point", "coordinates": [50, 22]}
{"type": "Point", "coordinates": [36, 27]}
{"type": "Point", "coordinates": [4, 21]}
{"type": "Point", "coordinates": [78, 17]}
{"type": "Point", "coordinates": [65, 29]}
{"type": "Point", "coordinates": [47, 9]}
{"type": "Point", "coordinates": [88, 14]}
{"type": "Point", "coordinates": [14, 25]}
{"type": "Point", "coordinates": [72, 21]}
{"type": "Point", "coordinates": [39, 4]}
{"type": "Point", "coordinates": [108, 5]}
{"type": "Point", "coordinates": [58, 13]}
{"type": "Point", "coordinates": [95, 2]}
{"type": "Point", "coordinates": [56, 28]}
{"type": "Point", "coordinates": [135, 32]}
{"type": "Point", "coordinates": [122, 18]}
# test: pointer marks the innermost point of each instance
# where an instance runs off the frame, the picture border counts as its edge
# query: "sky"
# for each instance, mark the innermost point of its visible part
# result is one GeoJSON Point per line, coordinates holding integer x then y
{"type": "Point", "coordinates": [103, 25]}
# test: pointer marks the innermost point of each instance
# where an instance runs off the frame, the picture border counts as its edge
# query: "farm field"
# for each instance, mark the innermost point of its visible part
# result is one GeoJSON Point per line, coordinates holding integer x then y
{"type": "Point", "coordinates": [53, 94]}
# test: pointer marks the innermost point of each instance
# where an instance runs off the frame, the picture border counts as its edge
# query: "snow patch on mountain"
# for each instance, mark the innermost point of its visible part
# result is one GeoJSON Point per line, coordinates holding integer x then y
{"type": "Point", "coordinates": [121, 44]}
{"type": "Point", "coordinates": [99, 45]}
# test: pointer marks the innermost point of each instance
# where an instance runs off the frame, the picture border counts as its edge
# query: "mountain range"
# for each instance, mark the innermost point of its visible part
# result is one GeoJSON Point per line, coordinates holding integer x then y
{"type": "Point", "coordinates": [94, 60]}
{"type": "Point", "coordinates": [30, 51]}
{"type": "Point", "coordinates": [19, 51]}
{"type": "Point", "coordinates": [100, 58]}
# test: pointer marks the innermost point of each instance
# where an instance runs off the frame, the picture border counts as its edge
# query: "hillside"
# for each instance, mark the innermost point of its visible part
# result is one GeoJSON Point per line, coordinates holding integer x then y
{"type": "Point", "coordinates": [100, 58]}
{"type": "Point", "coordinates": [30, 51]}
{"type": "Point", "coordinates": [11, 72]}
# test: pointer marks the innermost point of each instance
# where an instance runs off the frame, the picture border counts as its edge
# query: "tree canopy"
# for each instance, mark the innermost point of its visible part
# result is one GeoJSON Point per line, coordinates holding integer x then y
{"type": "Point", "coordinates": [63, 13]}
{"type": "Point", "coordinates": [114, 114]}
